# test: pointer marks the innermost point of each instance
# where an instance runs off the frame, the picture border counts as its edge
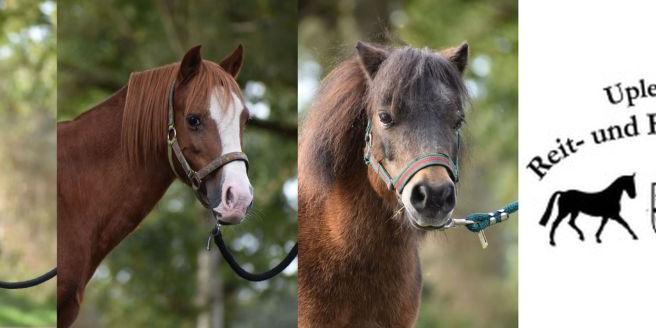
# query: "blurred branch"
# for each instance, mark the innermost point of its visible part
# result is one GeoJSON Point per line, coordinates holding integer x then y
{"type": "Point", "coordinates": [169, 27]}
{"type": "Point", "coordinates": [91, 78]}
{"type": "Point", "coordinates": [285, 130]}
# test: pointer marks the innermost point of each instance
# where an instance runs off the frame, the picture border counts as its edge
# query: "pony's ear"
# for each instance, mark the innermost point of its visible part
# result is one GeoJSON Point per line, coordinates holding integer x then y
{"type": "Point", "coordinates": [370, 57]}
{"type": "Point", "coordinates": [232, 63]}
{"type": "Point", "coordinates": [458, 56]}
{"type": "Point", "coordinates": [189, 65]}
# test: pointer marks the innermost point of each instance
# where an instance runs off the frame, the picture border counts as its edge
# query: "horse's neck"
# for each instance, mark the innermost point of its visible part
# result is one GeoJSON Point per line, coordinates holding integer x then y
{"type": "Point", "coordinates": [360, 224]}
{"type": "Point", "coordinates": [616, 188]}
{"type": "Point", "coordinates": [354, 244]}
{"type": "Point", "coordinates": [97, 184]}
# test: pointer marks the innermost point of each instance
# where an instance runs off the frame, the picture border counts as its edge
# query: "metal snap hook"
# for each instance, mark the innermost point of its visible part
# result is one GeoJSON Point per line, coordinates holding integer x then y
{"type": "Point", "coordinates": [214, 232]}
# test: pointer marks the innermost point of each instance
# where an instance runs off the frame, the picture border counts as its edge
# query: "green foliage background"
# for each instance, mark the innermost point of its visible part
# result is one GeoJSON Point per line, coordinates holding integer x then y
{"type": "Point", "coordinates": [464, 286]}
{"type": "Point", "coordinates": [151, 279]}
{"type": "Point", "coordinates": [154, 278]}
{"type": "Point", "coordinates": [27, 159]}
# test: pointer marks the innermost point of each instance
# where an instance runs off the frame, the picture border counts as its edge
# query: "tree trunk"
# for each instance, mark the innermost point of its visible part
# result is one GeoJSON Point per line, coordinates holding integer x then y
{"type": "Point", "coordinates": [210, 296]}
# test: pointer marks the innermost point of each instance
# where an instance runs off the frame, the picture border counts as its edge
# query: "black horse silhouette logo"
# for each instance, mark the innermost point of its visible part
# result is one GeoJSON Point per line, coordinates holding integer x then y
{"type": "Point", "coordinates": [605, 204]}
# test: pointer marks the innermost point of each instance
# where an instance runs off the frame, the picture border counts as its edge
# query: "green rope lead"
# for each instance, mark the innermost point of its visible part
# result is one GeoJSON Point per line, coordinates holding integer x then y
{"type": "Point", "coordinates": [482, 221]}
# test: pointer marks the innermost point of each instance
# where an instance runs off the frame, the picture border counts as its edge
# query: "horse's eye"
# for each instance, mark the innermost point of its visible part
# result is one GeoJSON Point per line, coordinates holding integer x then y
{"type": "Point", "coordinates": [385, 118]}
{"type": "Point", "coordinates": [193, 121]}
{"type": "Point", "coordinates": [459, 124]}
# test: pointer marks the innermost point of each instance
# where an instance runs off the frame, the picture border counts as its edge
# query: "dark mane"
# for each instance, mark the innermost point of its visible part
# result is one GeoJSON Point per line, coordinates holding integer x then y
{"type": "Point", "coordinates": [332, 135]}
{"type": "Point", "coordinates": [146, 105]}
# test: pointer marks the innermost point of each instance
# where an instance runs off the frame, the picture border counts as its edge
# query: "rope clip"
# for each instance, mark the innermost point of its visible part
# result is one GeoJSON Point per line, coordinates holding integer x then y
{"type": "Point", "coordinates": [213, 233]}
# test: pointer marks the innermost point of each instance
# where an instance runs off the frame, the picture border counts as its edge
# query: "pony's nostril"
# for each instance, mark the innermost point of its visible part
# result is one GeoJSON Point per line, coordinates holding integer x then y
{"type": "Point", "coordinates": [449, 197]}
{"type": "Point", "coordinates": [428, 199]}
{"type": "Point", "coordinates": [419, 196]}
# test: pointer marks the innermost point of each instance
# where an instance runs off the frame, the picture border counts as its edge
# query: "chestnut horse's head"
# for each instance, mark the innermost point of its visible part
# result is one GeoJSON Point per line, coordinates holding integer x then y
{"type": "Point", "coordinates": [415, 100]}
{"type": "Point", "coordinates": [209, 117]}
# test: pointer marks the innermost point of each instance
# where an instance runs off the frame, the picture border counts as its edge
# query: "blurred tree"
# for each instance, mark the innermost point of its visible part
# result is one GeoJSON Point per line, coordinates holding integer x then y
{"type": "Point", "coordinates": [161, 276]}
{"type": "Point", "coordinates": [463, 285]}
{"type": "Point", "coordinates": [28, 165]}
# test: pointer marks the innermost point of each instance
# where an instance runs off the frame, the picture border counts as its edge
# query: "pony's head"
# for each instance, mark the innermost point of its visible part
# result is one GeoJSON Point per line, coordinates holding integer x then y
{"type": "Point", "coordinates": [415, 100]}
{"type": "Point", "coordinates": [209, 117]}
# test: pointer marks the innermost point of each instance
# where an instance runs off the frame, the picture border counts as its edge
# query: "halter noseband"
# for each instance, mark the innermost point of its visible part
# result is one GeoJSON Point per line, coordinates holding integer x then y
{"type": "Point", "coordinates": [419, 163]}
{"type": "Point", "coordinates": [195, 178]}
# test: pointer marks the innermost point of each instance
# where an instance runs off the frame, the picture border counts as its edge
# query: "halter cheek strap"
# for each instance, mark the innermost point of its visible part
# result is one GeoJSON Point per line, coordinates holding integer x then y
{"type": "Point", "coordinates": [417, 164]}
{"type": "Point", "coordinates": [195, 178]}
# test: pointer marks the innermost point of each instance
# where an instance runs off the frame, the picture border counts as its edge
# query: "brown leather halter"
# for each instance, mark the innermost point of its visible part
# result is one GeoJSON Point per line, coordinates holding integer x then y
{"type": "Point", "coordinates": [195, 178]}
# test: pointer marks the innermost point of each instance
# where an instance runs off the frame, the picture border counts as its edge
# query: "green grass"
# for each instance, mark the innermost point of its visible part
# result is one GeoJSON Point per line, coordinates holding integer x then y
{"type": "Point", "coordinates": [18, 311]}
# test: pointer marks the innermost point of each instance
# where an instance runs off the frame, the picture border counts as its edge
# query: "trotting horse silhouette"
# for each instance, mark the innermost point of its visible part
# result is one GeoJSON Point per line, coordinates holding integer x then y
{"type": "Point", "coordinates": [605, 204]}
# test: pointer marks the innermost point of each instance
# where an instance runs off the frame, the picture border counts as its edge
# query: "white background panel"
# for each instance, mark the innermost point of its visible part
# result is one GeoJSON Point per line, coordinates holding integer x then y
{"type": "Point", "coordinates": [569, 52]}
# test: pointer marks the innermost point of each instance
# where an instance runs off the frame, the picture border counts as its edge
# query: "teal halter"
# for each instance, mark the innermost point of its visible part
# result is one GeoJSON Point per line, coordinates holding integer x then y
{"type": "Point", "coordinates": [419, 163]}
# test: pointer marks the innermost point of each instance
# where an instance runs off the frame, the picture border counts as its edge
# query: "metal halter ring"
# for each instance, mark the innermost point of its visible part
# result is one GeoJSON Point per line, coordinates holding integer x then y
{"type": "Point", "coordinates": [172, 135]}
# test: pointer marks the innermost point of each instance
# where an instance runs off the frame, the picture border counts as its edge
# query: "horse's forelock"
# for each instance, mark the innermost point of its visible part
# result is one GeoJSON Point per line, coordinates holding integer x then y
{"type": "Point", "coordinates": [144, 126]}
{"type": "Point", "coordinates": [407, 70]}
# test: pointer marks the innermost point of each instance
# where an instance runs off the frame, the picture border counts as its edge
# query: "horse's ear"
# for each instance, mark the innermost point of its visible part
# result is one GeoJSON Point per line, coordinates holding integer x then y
{"type": "Point", "coordinates": [232, 63]}
{"type": "Point", "coordinates": [370, 57]}
{"type": "Point", "coordinates": [458, 56]}
{"type": "Point", "coordinates": [189, 65]}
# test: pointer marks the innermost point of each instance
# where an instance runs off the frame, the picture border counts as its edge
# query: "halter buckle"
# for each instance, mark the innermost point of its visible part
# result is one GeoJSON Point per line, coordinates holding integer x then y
{"type": "Point", "coordinates": [195, 181]}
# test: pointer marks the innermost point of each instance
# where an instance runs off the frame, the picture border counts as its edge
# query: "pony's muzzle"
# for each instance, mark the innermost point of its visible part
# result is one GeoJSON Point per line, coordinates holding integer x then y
{"type": "Point", "coordinates": [430, 199]}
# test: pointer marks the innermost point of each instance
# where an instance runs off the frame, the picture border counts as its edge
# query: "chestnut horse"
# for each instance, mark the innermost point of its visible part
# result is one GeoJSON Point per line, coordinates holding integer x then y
{"type": "Point", "coordinates": [359, 229]}
{"type": "Point", "coordinates": [113, 166]}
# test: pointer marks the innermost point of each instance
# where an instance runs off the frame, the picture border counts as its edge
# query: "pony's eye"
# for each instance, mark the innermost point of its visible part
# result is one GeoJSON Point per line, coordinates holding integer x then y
{"type": "Point", "coordinates": [193, 121]}
{"type": "Point", "coordinates": [385, 118]}
{"type": "Point", "coordinates": [459, 124]}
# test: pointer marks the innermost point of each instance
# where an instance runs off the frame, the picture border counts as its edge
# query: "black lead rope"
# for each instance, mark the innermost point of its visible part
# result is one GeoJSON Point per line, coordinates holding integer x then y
{"type": "Point", "coordinates": [29, 283]}
{"type": "Point", "coordinates": [225, 251]}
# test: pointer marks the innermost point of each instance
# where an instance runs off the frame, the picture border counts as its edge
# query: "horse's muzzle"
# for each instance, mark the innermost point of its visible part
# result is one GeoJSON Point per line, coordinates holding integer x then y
{"type": "Point", "coordinates": [430, 205]}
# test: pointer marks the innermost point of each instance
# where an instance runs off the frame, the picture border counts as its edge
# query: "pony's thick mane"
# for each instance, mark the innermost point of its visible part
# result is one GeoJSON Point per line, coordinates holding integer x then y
{"type": "Point", "coordinates": [332, 136]}
{"type": "Point", "coordinates": [144, 127]}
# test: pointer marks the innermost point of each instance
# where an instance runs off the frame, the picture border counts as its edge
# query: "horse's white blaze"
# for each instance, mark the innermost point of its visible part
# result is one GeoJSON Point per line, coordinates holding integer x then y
{"type": "Point", "coordinates": [234, 174]}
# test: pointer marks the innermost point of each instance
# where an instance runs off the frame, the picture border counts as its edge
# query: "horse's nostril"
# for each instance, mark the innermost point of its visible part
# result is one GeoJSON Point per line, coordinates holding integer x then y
{"type": "Point", "coordinates": [419, 196]}
{"type": "Point", "coordinates": [449, 194]}
{"type": "Point", "coordinates": [428, 199]}
{"type": "Point", "coordinates": [229, 197]}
